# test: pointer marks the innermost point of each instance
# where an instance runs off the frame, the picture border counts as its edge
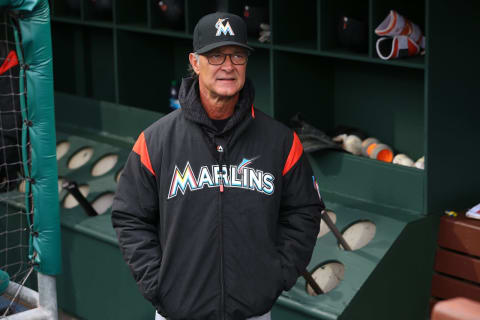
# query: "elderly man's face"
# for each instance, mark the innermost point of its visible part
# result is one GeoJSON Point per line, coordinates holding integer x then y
{"type": "Point", "coordinates": [226, 79]}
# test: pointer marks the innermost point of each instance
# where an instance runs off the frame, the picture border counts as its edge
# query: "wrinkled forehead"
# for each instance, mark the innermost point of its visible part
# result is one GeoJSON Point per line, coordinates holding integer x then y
{"type": "Point", "coordinates": [229, 49]}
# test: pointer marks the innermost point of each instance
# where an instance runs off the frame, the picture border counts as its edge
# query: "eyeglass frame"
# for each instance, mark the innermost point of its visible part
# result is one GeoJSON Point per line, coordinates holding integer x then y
{"type": "Point", "coordinates": [207, 55]}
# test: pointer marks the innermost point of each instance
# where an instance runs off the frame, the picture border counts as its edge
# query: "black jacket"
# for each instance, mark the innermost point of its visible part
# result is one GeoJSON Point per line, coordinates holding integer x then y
{"type": "Point", "coordinates": [207, 245]}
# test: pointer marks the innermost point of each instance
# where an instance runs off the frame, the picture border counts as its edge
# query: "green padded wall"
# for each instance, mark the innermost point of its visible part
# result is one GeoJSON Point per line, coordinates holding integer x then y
{"type": "Point", "coordinates": [36, 77]}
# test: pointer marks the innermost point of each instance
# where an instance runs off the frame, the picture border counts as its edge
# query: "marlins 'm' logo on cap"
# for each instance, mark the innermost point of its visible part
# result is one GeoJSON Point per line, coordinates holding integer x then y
{"type": "Point", "coordinates": [221, 28]}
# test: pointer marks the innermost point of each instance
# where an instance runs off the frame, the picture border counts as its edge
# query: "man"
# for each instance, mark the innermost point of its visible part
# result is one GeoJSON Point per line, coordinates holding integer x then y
{"type": "Point", "coordinates": [216, 211]}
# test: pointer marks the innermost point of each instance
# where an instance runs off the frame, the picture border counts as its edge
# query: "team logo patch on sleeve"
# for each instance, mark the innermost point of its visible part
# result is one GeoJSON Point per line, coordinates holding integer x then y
{"type": "Point", "coordinates": [242, 176]}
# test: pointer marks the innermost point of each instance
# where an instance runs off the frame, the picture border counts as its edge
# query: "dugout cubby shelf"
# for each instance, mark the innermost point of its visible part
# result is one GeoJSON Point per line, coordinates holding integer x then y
{"type": "Point", "coordinates": [130, 13]}
{"type": "Point", "coordinates": [196, 10]}
{"type": "Point", "coordinates": [330, 14]}
{"type": "Point", "coordinates": [112, 79]}
{"type": "Point", "coordinates": [258, 10]}
{"type": "Point", "coordinates": [89, 53]}
{"type": "Point", "coordinates": [160, 20]}
{"type": "Point", "coordinates": [301, 34]}
{"type": "Point", "coordinates": [67, 9]}
{"type": "Point", "coordinates": [98, 10]}
{"type": "Point", "coordinates": [139, 55]}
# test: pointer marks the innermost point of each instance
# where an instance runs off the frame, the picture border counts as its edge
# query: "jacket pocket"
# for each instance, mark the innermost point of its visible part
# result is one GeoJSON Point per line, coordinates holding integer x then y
{"type": "Point", "coordinates": [256, 284]}
{"type": "Point", "coordinates": [156, 300]}
{"type": "Point", "coordinates": [281, 274]}
{"type": "Point", "coordinates": [153, 297]}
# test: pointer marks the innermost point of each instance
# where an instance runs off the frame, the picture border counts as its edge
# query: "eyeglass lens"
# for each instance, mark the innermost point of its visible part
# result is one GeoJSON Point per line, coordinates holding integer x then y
{"type": "Point", "coordinates": [219, 58]}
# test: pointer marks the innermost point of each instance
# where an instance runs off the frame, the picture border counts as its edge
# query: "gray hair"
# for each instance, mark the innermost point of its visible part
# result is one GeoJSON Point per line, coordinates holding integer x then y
{"type": "Point", "coordinates": [190, 70]}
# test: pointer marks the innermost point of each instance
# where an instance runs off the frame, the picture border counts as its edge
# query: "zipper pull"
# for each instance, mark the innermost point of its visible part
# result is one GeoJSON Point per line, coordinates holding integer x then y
{"type": "Point", "coordinates": [221, 184]}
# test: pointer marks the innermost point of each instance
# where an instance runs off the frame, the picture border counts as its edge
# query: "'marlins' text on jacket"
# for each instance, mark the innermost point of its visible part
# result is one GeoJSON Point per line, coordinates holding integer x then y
{"type": "Point", "coordinates": [240, 176]}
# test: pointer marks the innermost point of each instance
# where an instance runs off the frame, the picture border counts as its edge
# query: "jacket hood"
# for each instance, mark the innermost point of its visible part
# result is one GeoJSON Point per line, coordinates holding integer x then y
{"type": "Point", "coordinates": [189, 98]}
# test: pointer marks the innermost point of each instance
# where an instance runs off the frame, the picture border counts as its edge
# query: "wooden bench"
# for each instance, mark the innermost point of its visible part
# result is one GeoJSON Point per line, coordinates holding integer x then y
{"type": "Point", "coordinates": [457, 261]}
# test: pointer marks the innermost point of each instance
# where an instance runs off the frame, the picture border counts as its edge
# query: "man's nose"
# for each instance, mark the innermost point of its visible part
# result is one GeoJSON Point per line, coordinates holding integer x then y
{"type": "Point", "coordinates": [227, 64]}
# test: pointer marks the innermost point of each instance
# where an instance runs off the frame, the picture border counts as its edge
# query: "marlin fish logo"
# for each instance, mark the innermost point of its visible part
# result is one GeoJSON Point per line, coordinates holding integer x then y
{"type": "Point", "coordinates": [245, 163]}
{"type": "Point", "coordinates": [221, 28]}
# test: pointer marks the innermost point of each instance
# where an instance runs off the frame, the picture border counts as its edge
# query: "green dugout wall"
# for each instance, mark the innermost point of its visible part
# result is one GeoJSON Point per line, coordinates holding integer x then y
{"type": "Point", "coordinates": [113, 70]}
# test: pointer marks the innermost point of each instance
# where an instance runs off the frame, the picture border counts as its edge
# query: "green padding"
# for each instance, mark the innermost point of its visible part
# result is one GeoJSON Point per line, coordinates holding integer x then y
{"type": "Point", "coordinates": [37, 56]}
{"type": "Point", "coordinates": [27, 5]}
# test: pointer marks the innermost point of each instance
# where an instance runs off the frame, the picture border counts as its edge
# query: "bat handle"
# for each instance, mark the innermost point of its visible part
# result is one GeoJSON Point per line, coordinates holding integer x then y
{"type": "Point", "coordinates": [335, 231]}
{"type": "Point", "coordinates": [308, 277]}
{"type": "Point", "coordinates": [72, 188]}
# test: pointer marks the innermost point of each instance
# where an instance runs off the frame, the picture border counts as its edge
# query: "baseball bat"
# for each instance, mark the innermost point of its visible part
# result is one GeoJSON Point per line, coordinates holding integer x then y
{"type": "Point", "coordinates": [72, 188]}
{"type": "Point", "coordinates": [335, 231]}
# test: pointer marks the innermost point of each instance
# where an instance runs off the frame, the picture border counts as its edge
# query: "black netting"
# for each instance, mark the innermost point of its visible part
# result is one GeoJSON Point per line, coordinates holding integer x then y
{"type": "Point", "coordinates": [14, 226]}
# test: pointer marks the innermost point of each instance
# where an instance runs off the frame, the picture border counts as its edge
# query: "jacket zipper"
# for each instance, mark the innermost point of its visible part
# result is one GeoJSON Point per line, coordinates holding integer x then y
{"type": "Point", "coordinates": [220, 214]}
{"type": "Point", "coordinates": [220, 161]}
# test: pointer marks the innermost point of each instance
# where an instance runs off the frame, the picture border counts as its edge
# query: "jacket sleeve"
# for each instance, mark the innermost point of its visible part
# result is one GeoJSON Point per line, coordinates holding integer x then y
{"type": "Point", "coordinates": [300, 214]}
{"type": "Point", "coordinates": [135, 218]}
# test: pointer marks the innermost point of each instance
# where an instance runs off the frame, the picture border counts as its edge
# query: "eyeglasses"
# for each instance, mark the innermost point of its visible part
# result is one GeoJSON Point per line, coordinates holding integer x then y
{"type": "Point", "coordinates": [218, 58]}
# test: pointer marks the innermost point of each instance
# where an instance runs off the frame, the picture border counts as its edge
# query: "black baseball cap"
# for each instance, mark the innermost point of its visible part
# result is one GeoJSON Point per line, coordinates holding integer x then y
{"type": "Point", "coordinates": [219, 29]}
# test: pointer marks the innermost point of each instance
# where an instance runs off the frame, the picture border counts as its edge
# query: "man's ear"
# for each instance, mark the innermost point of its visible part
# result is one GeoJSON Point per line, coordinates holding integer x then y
{"type": "Point", "coordinates": [194, 62]}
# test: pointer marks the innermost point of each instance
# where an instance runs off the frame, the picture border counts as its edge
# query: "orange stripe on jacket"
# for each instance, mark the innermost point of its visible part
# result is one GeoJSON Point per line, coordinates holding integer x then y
{"type": "Point", "coordinates": [295, 154]}
{"type": "Point", "coordinates": [140, 148]}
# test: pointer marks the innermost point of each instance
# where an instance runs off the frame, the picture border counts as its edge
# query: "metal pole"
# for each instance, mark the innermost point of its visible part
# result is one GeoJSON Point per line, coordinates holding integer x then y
{"type": "Point", "coordinates": [45, 300]}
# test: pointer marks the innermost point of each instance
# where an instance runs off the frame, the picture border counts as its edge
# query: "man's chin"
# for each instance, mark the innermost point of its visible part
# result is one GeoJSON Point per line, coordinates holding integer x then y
{"type": "Point", "coordinates": [227, 94]}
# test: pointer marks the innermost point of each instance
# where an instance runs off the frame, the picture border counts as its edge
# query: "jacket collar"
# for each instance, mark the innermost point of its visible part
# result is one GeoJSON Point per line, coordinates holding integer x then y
{"type": "Point", "coordinates": [193, 110]}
